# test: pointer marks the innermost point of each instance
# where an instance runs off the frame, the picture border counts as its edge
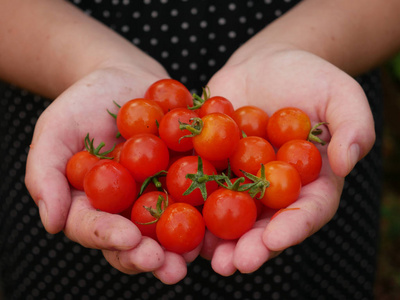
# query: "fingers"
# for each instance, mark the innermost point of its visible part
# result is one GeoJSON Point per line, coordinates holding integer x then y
{"type": "Point", "coordinates": [250, 252]}
{"type": "Point", "coordinates": [222, 260]}
{"type": "Point", "coordinates": [351, 125]}
{"type": "Point", "coordinates": [316, 206]}
{"type": "Point", "coordinates": [173, 270]}
{"type": "Point", "coordinates": [100, 230]}
{"type": "Point", "coordinates": [147, 256]}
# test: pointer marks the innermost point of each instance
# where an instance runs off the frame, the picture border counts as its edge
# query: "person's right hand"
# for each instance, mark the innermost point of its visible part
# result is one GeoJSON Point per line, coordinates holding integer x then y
{"type": "Point", "coordinates": [60, 133]}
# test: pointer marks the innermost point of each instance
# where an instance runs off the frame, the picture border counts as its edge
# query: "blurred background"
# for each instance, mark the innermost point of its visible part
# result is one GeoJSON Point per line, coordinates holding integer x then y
{"type": "Point", "coordinates": [388, 277]}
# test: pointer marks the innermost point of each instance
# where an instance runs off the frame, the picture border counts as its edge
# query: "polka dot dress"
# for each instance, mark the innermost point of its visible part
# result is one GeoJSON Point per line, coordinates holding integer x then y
{"type": "Point", "coordinates": [192, 40]}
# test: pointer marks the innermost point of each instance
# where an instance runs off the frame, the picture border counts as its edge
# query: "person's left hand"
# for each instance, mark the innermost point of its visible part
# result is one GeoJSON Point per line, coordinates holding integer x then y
{"type": "Point", "coordinates": [276, 77]}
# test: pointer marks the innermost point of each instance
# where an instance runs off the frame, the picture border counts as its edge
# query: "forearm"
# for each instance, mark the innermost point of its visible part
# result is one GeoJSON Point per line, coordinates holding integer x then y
{"type": "Point", "coordinates": [47, 45]}
{"type": "Point", "coordinates": [353, 35]}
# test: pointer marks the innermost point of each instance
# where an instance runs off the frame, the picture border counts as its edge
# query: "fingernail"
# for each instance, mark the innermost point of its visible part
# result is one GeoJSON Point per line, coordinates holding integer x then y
{"type": "Point", "coordinates": [43, 212]}
{"type": "Point", "coordinates": [353, 155]}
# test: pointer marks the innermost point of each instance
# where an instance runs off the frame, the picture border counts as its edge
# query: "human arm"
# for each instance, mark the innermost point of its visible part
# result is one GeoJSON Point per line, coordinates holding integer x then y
{"type": "Point", "coordinates": [295, 61]}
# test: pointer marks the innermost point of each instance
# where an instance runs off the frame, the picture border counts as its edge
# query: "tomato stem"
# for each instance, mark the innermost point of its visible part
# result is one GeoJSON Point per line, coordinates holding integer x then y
{"type": "Point", "coordinates": [89, 145]}
{"type": "Point", "coordinates": [259, 183]}
{"type": "Point", "coordinates": [195, 127]}
{"type": "Point", "coordinates": [154, 179]}
{"type": "Point", "coordinates": [198, 101]}
{"type": "Point", "coordinates": [199, 180]}
{"type": "Point", "coordinates": [158, 211]}
{"type": "Point", "coordinates": [314, 132]}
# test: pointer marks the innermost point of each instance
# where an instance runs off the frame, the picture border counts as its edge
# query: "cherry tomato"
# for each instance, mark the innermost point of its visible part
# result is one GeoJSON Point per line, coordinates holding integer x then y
{"type": "Point", "coordinates": [81, 162]}
{"type": "Point", "coordinates": [139, 116]}
{"type": "Point", "coordinates": [178, 182]}
{"type": "Point", "coordinates": [141, 216]}
{"type": "Point", "coordinates": [287, 124]}
{"type": "Point", "coordinates": [257, 202]}
{"type": "Point", "coordinates": [216, 104]}
{"type": "Point", "coordinates": [304, 156]}
{"type": "Point", "coordinates": [116, 152]}
{"type": "Point", "coordinates": [220, 165]}
{"type": "Point", "coordinates": [180, 228]}
{"type": "Point", "coordinates": [144, 155]}
{"type": "Point", "coordinates": [251, 152]}
{"type": "Point", "coordinates": [252, 120]}
{"type": "Point", "coordinates": [229, 214]}
{"type": "Point", "coordinates": [170, 132]}
{"type": "Point", "coordinates": [218, 138]}
{"type": "Point", "coordinates": [284, 184]}
{"type": "Point", "coordinates": [169, 94]}
{"type": "Point", "coordinates": [109, 186]}
{"type": "Point", "coordinates": [77, 167]}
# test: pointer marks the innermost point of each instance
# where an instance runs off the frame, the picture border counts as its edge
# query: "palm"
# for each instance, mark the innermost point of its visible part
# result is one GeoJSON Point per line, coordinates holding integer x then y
{"type": "Point", "coordinates": [295, 78]}
{"type": "Point", "coordinates": [58, 135]}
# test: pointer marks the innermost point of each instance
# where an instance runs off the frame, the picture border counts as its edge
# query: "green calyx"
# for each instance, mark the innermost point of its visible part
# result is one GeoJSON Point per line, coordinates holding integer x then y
{"type": "Point", "coordinates": [314, 132]}
{"type": "Point", "coordinates": [195, 127]}
{"type": "Point", "coordinates": [153, 179]}
{"type": "Point", "coordinates": [115, 117]}
{"type": "Point", "coordinates": [162, 204]}
{"type": "Point", "coordinates": [198, 101]}
{"type": "Point", "coordinates": [259, 183]}
{"type": "Point", "coordinates": [200, 179]}
{"type": "Point", "coordinates": [96, 151]}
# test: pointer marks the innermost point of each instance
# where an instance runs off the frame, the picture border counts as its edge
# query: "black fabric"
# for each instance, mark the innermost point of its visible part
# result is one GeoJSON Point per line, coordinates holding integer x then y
{"type": "Point", "coordinates": [192, 40]}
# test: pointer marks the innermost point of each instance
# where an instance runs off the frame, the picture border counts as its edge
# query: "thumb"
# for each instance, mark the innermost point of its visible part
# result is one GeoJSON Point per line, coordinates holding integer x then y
{"type": "Point", "coordinates": [45, 176]}
{"type": "Point", "coordinates": [351, 125]}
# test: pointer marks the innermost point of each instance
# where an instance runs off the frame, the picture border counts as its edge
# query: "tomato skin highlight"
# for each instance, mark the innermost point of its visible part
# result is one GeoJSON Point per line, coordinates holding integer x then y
{"type": "Point", "coordinates": [288, 123]}
{"type": "Point", "coordinates": [144, 155]}
{"type": "Point", "coordinates": [77, 167]}
{"type": "Point", "coordinates": [180, 228]}
{"type": "Point", "coordinates": [284, 184]}
{"type": "Point", "coordinates": [170, 132]}
{"type": "Point", "coordinates": [177, 183]}
{"type": "Point", "coordinates": [109, 186]}
{"type": "Point", "coordinates": [304, 156]}
{"type": "Point", "coordinates": [252, 120]}
{"type": "Point", "coordinates": [139, 116]}
{"type": "Point", "coordinates": [251, 152]}
{"type": "Point", "coordinates": [169, 94]}
{"type": "Point", "coordinates": [218, 137]}
{"type": "Point", "coordinates": [229, 214]}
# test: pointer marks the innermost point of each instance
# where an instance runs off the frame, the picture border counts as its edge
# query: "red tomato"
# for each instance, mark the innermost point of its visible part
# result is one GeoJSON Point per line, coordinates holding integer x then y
{"type": "Point", "coordinates": [144, 155]}
{"type": "Point", "coordinates": [252, 120]}
{"type": "Point", "coordinates": [141, 216]}
{"type": "Point", "coordinates": [218, 138]}
{"type": "Point", "coordinates": [284, 184]}
{"type": "Point", "coordinates": [178, 183]}
{"type": "Point", "coordinates": [180, 228]}
{"type": "Point", "coordinates": [304, 156]}
{"type": "Point", "coordinates": [170, 132]}
{"type": "Point", "coordinates": [77, 167]}
{"type": "Point", "coordinates": [257, 202]}
{"type": "Point", "coordinates": [216, 104]}
{"type": "Point", "coordinates": [287, 124]}
{"type": "Point", "coordinates": [116, 152]}
{"type": "Point", "coordinates": [81, 162]}
{"type": "Point", "coordinates": [220, 165]}
{"type": "Point", "coordinates": [169, 94]}
{"type": "Point", "coordinates": [109, 186]}
{"type": "Point", "coordinates": [251, 152]}
{"type": "Point", "coordinates": [139, 116]}
{"type": "Point", "coordinates": [229, 214]}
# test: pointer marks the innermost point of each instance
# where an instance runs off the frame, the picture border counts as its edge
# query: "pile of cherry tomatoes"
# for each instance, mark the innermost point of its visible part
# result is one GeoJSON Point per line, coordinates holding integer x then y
{"type": "Point", "coordinates": [186, 163]}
